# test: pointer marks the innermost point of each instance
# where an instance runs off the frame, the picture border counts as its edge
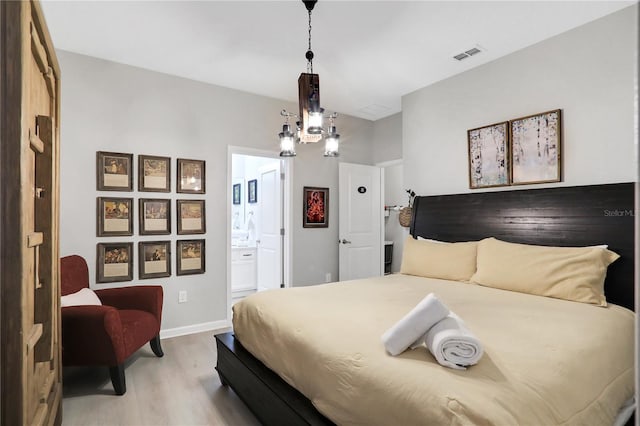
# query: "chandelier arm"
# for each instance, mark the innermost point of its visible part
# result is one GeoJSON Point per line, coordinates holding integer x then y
{"type": "Point", "coordinates": [288, 114]}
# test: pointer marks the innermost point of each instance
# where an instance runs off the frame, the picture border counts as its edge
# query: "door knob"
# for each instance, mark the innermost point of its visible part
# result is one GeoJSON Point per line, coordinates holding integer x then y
{"type": "Point", "coordinates": [345, 241]}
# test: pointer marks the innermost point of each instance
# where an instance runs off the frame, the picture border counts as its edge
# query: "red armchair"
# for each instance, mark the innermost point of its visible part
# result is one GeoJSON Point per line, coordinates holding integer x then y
{"type": "Point", "coordinates": [107, 335]}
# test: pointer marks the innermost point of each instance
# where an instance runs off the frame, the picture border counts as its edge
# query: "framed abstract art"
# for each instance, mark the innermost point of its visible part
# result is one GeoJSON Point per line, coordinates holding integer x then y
{"type": "Point", "coordinates": [489, 156]}
{"type": "Point", "coordinates": [316, 207]}
{"type": "Point", "coordinates": [535, 148]}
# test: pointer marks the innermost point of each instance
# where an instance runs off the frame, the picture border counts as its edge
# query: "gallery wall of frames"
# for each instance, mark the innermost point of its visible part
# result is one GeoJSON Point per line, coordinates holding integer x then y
{"type": "Point", "coordinates": [115, 216]}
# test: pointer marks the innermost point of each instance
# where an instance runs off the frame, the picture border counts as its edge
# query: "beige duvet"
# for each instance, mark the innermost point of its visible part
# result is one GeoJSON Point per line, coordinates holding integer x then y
{"type": "Point", "coordinates": [546, 361]}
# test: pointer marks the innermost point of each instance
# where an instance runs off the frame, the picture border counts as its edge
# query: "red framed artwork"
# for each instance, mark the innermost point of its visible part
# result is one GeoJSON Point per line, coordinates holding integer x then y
{"type": "Point", "coordinates": [316, 207]}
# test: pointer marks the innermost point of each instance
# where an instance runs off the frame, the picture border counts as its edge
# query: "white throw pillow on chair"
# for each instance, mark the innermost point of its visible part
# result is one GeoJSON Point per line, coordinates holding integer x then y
{"type": "Point", "coordinates": [86, 296]}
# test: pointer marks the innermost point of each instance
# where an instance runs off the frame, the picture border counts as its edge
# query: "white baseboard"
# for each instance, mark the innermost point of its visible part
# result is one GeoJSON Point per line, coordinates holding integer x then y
{"type": "Point", "coordinates": [222, 325]}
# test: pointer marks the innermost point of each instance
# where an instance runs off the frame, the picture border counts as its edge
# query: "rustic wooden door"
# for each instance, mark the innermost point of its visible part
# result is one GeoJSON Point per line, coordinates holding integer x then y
{"type": "Point", "coordinates": [29, 150]}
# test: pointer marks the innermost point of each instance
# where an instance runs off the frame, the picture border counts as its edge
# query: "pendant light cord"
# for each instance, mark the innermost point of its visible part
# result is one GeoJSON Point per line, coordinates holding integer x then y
{"type": "Point", "coordinates": [309, 54]}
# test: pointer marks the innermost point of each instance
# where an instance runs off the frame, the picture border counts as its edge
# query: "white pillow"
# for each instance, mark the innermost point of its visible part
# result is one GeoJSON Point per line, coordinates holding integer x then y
{"type": "Point", "coordinates": [86, 296]}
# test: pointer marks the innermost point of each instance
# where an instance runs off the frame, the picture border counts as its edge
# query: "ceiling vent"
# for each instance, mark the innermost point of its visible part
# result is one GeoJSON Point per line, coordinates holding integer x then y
{"type": "Point", "coordinates": [468, 53]}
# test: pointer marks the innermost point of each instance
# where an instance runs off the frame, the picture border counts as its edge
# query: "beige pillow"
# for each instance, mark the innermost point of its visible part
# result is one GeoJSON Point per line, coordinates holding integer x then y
{"type": "Point", "coordinates": [571, 273]}
{"type": "Point", "coordinates": [447, 261]}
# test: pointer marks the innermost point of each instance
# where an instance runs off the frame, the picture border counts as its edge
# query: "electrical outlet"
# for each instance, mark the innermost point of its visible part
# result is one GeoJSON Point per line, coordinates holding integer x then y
{"type": "Point", "coordinates": [327, 277]}
{"type": "Point", "coordinates": [182, 296]}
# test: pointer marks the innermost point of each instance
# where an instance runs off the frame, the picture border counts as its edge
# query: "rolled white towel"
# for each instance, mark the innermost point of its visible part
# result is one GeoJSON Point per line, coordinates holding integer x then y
{"type": "Point", "coordinates": [414, 325]}
{"type": "Point", "coordinates": [453, 344]}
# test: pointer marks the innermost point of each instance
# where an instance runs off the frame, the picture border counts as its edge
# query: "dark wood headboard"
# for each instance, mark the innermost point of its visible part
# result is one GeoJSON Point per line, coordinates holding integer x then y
{"type": "Point", "coordinates": [561, 216]}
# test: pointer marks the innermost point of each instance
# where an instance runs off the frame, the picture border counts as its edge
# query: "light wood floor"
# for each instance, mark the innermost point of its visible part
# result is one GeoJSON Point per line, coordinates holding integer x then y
{"type": "Point", "coordinates": [182, 388]}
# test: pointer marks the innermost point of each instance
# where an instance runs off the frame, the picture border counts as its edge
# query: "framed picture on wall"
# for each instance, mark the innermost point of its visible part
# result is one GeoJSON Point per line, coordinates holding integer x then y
{"type": "Point", "coordinates": [535, 148]}
{"type": "Point", "coordinates": [316, 207]}
{"type": "Point", "coordinates": [154, 216]}
{"type": "Point", "coordinates": [252, 191]}
{"type": "Point", "coordinates": [191, 217]}
{"type": "Point", "coordinates": [154, 259]}
{"type": "Point", "coordinates": [489, 156]}
{"type": "Point", "coordinates": [237, 193]}
{"type": "Point", "coordinates": [114, 262]}
{"type": "Point", "coordinates": [154, 173]}
{"type": "Point", "coordinates": [191, 176]}
{"type": "Point", "coordinates": [114, 216]}
{"type": "Point", "coordinates": [114, 171]}
{"type": "Point", "coordinates": [190, 257]}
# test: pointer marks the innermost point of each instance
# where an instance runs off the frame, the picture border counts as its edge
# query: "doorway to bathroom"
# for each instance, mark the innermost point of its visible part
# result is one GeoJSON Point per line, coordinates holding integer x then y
{"type": "Point", "coordinates": [258, 257]}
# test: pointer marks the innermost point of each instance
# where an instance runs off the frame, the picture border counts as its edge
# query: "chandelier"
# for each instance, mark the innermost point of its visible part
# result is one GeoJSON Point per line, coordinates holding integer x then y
{"type": "Point", "coordinates": [309, 120]}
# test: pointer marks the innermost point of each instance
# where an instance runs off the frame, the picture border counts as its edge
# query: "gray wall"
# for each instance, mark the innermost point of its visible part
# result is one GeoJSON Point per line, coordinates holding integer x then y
{"type": "Point", "coordinates": [113, 107]}
{"type": "Point", "coordinates": [316, 250]}
{"type": "Point", "coordinates": [387, 138]}
{"type": "Point", "coordinates": [589, 72]}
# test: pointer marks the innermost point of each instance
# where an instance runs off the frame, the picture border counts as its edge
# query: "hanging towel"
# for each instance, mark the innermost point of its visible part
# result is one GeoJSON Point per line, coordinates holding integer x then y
{"type": "Point", "coordinates": [452, 343]}
{"type": "Point", "coordinates": [412, 327]}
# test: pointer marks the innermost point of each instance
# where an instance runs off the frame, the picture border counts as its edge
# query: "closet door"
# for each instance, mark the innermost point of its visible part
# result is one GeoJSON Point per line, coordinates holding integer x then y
{"type": "Point", "coordinates": [30, 305]}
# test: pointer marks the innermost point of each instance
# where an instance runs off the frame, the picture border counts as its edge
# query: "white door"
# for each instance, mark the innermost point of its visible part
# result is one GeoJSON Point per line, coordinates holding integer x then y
{"type": "Point", "coordinates": [361, 210]}
{"type": "Point", "coordinates": [269, 238]}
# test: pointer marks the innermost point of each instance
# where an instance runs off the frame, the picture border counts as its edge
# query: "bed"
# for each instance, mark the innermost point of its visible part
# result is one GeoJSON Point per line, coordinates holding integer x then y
{"type": "Point", "coordinates": [352, 380]}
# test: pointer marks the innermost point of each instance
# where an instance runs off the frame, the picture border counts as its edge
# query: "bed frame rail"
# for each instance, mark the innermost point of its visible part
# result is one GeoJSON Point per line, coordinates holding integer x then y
{"type": "Point", "coordinates": [270, 399]}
